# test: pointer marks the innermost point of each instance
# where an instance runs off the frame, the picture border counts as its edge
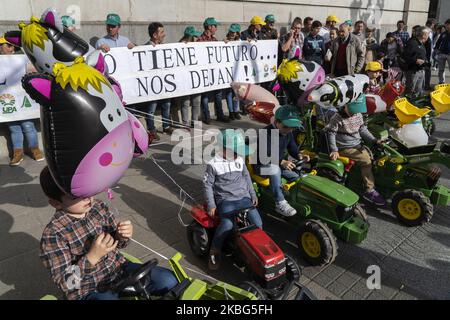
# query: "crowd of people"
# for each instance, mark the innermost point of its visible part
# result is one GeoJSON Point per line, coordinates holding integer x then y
{"type": "Point", "coordinates": [345, 48]}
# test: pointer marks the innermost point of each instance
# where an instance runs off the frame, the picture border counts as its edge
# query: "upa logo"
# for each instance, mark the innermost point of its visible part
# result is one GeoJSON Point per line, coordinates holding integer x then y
{"type": "Point", "coordinates": [8, 102]}
{"type": "Point", "coordinates": [374, 280]}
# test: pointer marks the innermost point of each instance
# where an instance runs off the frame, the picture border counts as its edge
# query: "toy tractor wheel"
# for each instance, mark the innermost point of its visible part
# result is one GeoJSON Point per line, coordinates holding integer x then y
{"type": "Point", "coordinates": [316, 243]}
{"type": "Point", "coordinates": [199, 239]}
{"type": "Point", "coordinates": [412, 207]}
{"type": "Point", "coordinates": [254, 288]}
{"type": "Point", "coordinates": [293, 271]}
{"type": "Point", "coordinates": [360, 212]}
{"type": "Point", "coordinates": [330, 174]}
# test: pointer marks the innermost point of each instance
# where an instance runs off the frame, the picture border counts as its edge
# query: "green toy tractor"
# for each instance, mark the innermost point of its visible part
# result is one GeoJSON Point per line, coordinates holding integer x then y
{"type": "Point", "coordinates": [133, 286]}
{"type": "Point", "coordinates": [401, 174]}
{"type": "Point", "coordinates": [325, 210]}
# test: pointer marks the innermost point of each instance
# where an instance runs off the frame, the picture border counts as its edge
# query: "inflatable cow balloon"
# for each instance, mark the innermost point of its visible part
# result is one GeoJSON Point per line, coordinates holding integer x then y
{"type": "Point", "coordinates": [46, 41]}
{"type": "Point", "coordinates": [338, 92]}
{"type": "Point", "coordinates": [89, 138]}
{"type": "Point", "coordinates": [299, 77]}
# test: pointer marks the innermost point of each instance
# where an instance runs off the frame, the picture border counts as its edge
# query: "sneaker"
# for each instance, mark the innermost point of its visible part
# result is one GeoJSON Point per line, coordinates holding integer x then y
{"type": "Point", "coordinates": [214, 259]}
{"type": "Point", "coordinates": [37, 154]}
{"type": "Point", "coordinates": [17, 157]}
{"type": "Point", "coordinates": [285, 209]}
{"type": "Point", "coordinates": [168, 130]}
{"type": "Point", "coordinates": [223, 119]}
{"type": "Point", "coordinates": [375, 198]}
{"type": "Point", "coordinates": [237, 116]}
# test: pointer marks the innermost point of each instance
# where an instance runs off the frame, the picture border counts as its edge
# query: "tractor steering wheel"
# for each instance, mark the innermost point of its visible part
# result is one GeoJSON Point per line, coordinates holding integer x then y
{"type": "Point", "coordinates": [137, 280]}
{"type": "Point", "coordinates": [298, 165]}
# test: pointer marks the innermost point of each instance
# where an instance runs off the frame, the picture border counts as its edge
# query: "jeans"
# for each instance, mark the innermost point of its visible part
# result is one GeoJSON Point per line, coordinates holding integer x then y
{"type": "Point", "coordinates": [194, 102]}
{"type": "Point", "coordinates": [415, 81]}
{"type": "Point", "coordinates": [217, 104]}
{"type": "Point", "coordinates": [165, 113]}
{"type": "Point", "coordinates": [442, 59]}
{"type": "Point", "coordinates": [232, 101]}
{"type": "Point", "coordinates": [226, 211]}
{"type": "Point", "coordinates": [274, 173]}
{"type": "Point", "coordinates": [18, 128]}
{"type": "Point", "coordinates": [162, 280]}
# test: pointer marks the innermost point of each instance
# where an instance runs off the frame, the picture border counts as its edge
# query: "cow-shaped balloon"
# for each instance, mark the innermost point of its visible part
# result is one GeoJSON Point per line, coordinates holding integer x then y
{"type": "Point", "coordinates": [299, 77]}
{"type": "Point", "coordinates": [89, 138]}
{"type": "Point", "coordinates": [46, 41]}
{"type": "Point", "coordinates": [338, 92]}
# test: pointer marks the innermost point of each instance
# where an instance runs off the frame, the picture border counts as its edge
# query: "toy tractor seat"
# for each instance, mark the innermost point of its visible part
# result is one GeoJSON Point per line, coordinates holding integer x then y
{"type": "Point", "coordinates": [263, 182]}
{"type": "Point", "coordinates": [406, 112]}
{"type": "Point", "coordinates": [440, 98]}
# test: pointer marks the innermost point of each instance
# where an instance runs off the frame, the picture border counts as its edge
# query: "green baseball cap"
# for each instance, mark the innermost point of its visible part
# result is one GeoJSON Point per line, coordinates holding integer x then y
{"type": "Point", "coordinates": [289, 116]}
{"type": "Point", "coordinates": [235, 27]}
{"type": "Point", "coordinates": [210, 22]}
{"type": "Point", "coordinates": [190, 31]}
{"type": "Point", "coordinates": [68, 21]}
{"type": "Point", "coordinates": [270, 18]}
{"type": "Point", "coordinates": [234, 140]}
{"type": "Point", "coordinates": [113, 19]}
{"type": "Point", "coordinates": [359, 105]}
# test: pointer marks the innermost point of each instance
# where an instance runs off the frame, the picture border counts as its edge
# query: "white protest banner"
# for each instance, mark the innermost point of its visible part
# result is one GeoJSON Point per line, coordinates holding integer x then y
{"type": "Point", "coordinates": [15, 104]}
{"type": "Point", "coordinates": [149, 73]}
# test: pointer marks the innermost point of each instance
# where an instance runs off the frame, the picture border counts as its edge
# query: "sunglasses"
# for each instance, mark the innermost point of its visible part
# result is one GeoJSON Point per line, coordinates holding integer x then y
{"type": "Point", "coordinates": [110, 26]}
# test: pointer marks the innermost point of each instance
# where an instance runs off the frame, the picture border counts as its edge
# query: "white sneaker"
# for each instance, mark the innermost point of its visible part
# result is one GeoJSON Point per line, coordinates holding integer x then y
{"type": "Point", "coordinates": [285, 209]}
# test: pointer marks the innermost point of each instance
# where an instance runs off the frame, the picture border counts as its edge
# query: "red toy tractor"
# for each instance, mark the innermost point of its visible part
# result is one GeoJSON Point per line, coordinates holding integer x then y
{"type": "Point", "coordinates": [273, 272]}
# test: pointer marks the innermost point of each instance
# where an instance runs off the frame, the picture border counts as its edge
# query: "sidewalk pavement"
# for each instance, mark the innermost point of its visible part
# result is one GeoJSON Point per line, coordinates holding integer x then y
{"type": "Point", "coordinates": [414, 262]}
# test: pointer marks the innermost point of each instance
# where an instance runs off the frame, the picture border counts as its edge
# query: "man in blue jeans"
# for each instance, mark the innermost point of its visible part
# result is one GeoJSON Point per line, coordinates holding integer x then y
{"type": "Point", "coordinates": [228, 188]}
{"type": "Point", "coordinates": [287, 118]}
{"type": "Point", "coordinates": [165, 116]}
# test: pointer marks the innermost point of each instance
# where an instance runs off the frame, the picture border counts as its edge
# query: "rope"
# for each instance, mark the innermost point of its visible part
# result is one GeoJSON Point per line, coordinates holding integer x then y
{"type": "Point", "coordinates": [167, 259]}
{"type": "Point", "coordinates": [151, 116]}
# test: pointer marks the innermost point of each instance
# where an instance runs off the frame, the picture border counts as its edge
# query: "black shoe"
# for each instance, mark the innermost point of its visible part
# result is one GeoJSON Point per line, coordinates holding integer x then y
{"type": "Point", "coordinates": [207, 121]}
{"type": "Point", "coordinates": [231, 117]}
{"type": "Point", "coordinates": [244, 112]}
{"type": "Point", "coordinates": [237, 116]}
{"type": "Point", "coordinates": [223, 119]}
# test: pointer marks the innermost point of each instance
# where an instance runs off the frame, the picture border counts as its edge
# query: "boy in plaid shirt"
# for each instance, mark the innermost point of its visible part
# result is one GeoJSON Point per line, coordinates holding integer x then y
{"type": "Point", "coordinates": [346, 131]}
{"type": "Point", "coordinates": [80, 247]}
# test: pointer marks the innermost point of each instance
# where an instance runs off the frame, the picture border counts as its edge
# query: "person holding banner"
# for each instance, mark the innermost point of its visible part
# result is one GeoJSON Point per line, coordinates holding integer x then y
{"type": "Point", "coordinates": [210, 24]}
{"type": "Point", "coordinates": [20, 128]}
{"type": "Point", "coordinates": [254, 31]}
{"type": "Point", "coordinates": [157, 34]}
{"type": "Point", "coordinates": [190, 35]}
{"type": "Point", "coordinates": [113, 39]}
{"type": "Point", "coordinates": [232, 101]}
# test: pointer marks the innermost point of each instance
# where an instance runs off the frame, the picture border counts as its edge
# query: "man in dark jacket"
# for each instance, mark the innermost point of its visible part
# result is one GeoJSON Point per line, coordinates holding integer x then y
{"type": "Point", "coordinates": [314, 45]}
{"type": "Point", "coordinates": [348, 53]}
{"type": "Point", "coordinates": [443, 51]}
{"type": "Point", "coordinates": [415, 56]}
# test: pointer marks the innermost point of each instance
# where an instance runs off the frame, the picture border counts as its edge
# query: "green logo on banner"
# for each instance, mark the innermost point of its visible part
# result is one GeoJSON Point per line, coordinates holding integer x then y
{"type": "Point", "coordinates": [7, 100]}
{"type": "Point", "coordinates": [26, 103]}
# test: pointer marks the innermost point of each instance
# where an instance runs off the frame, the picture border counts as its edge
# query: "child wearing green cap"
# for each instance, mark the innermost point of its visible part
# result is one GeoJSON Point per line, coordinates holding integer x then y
{"type": "Point", "coordinates": [346, 132]}
{"type": "Point", "coordinates": [280, 140]}
{"type": "Point", "coordinates": [228, 188]}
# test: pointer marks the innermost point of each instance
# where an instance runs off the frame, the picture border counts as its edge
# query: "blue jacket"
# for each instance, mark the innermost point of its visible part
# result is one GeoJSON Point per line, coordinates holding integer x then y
{"type": "Point", "coordinates": [314, 48]}
{"type": "Point", "coordinates": [286, 143]}
{"type": "Point", "coordinates": [443, 43]}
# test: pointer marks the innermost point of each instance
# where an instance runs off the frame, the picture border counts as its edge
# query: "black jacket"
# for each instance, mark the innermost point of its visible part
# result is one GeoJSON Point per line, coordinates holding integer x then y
{"type": "Point", "coordinates": [414, 50]}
